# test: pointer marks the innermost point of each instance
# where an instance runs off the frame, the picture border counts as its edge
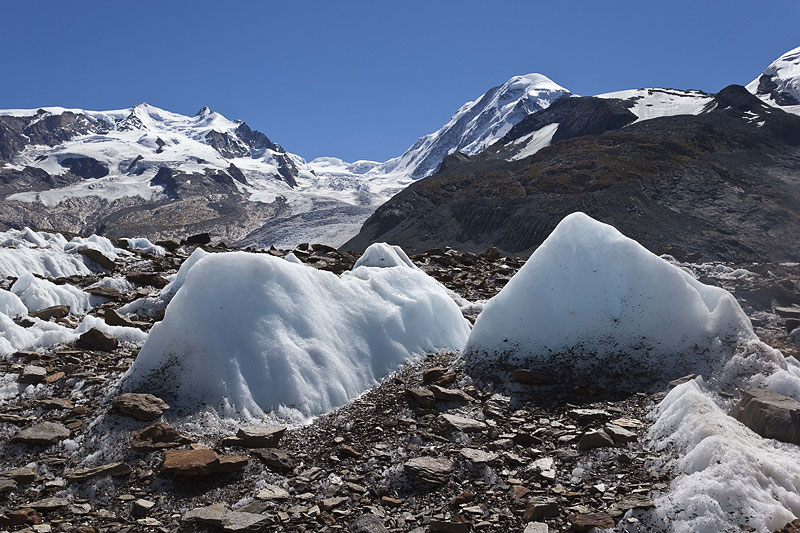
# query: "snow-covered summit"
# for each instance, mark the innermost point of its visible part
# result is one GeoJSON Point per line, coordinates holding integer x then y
{"type": "Point", "coordinates": [779, 84]}
{"type": "Point", "coordinates": [475, 126]}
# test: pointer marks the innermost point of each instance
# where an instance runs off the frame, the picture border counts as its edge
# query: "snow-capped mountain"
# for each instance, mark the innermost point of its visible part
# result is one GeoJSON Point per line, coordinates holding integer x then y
{"type": "Point", "coordinates": [65, 158]}
{"type": "Point", "coordinates": [779, 84]}
{"type": "Point", "coordinates": [474, 127]}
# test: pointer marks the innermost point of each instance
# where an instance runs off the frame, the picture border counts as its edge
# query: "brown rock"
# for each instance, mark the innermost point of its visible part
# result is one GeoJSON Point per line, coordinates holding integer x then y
{"type": "Point", "coordinates": [139, 406]}
{"type": "Point", "coordinates": [421, 397]}
{"type": "Point", "coordinates": [56, 311]}
{"type": "Point", "coordinates": [98, 257]}
{"type": "Point", "coordinates": [194, 462]}
{"type": "Point", "coordinates": [586, 521]}
{"type": "Point", "coordinates": [275, 459]}
{"type": "Point", "coordinates": [157, 437]}
{"type": "Point", "coordinates": [18, 517]}
{"type": "Point", "coordinates": [450, 395]}
{"type": "Point", "coordinates": [105, 292]}
{"type": "Point", "coordinates": [595, 439]}
{"type": "Point", "coordinates": [111, 469]}
{"type": "Point", "coordinates": [438, 374]}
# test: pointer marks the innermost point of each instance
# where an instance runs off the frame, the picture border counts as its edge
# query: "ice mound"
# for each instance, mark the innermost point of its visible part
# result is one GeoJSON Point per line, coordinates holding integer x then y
{"type": "Point", "coordinates": [49, 254]}
{"type": "Point", "coordinates": [384, 255]}
{"type": "Point", "coordinates": [727, 475]}
{"type": "Point", "coordinates": [593, 306]}
{"type": "Point", "coordinates": [249, 334]}
{"type": "Point", "coordinates": [144, 245]}
{"type": "Point", "coordinates": [11, 305]}
{"type": "Point", "coordinates": [38, 293]}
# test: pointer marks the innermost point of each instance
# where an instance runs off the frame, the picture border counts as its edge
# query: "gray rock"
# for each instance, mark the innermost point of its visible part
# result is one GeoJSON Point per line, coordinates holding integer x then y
{"type": "Point", "coordinates": [139, 406]}
{"type": "Point", "coordinates": [49, 504]}
{"type": "Point", "coordinates": [477, 456]}
{"type": "Point", "coordinates": [272, 492]}
{"type": "Point", "coordinates": [769, 414]}
{"type": "Point", "coordinates": [433, 470]}
{"type": "Point", "coordinates": [32, 374]}
{"type": "Point", "coordinates": [461, 423]}
{"type": "Point", "coordinates": [587, 416]}
{"type": "Point", "coordinates": [620, 435]}
{"type": "Point", "coordinates": [211, 514]}
{"type": "Point", "coordinates": [536, 527]}
{"type": "Point", "coordinates": [368, 523]}
{"type": "Point", "coordinates": [240, 521]}
{"type": "Point", "coordinates": [44, 434]}
{"type": "Point", "coordinates": [142, 508]}
{"type": "Point", "coordinates": [260, 436]}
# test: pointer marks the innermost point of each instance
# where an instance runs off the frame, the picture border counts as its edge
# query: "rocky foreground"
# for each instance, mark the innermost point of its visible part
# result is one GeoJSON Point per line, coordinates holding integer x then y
{"type": "Point", "coordinates": [424, 451]}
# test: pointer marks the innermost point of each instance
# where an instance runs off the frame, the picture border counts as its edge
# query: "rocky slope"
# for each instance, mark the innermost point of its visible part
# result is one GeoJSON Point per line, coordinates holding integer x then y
{"type": "Point", "coordinates": [722, 183]}
{"type": "Point", "coordinates": [426, 450]}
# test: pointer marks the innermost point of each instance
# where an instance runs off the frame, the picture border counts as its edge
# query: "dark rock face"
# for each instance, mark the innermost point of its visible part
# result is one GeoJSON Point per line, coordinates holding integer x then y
{"type": "Point", "coordinates": [85, 167]}
{"type": "Point", "coordinates": [725, 183]}
{"type": "Point", "coordinates": [766, 85]}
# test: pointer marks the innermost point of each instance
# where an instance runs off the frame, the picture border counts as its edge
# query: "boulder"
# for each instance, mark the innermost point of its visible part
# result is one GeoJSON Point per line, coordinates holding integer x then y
{"type": "Point", "coordinates": [139, 406]}
{"type": "Point", "coordinates": [98, 257]}
{"type": "Point", "coordinates": [771, 415]}
{"type": "Point", "coordinates": [94, 339]}
{"type": "Point", "coordinates": [55, 311]}
{"type": "Point", "coordinates": [275, 459]}
{"type": "Point", "coordinates": [477, 456]}
{"type": "Point", "coordinates": [199, 239]}
{"type": "Point", "coordinates": [194, 462]}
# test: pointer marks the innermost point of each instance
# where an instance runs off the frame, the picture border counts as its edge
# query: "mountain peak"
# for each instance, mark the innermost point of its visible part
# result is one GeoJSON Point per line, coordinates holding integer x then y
{"type": "Point", "coordinates": [779, 84]}
{"type": "Point", "coordinates": [534, 80]}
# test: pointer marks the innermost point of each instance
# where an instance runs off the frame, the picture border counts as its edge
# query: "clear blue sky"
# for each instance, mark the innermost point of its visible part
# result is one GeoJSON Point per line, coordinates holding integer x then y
{"type": "Point", "coordinates": [363, 80]}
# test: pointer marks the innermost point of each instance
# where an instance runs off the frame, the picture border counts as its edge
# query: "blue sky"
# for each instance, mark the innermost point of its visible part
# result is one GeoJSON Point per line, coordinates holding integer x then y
{"type": "Point", "coordinates": [363, 80]}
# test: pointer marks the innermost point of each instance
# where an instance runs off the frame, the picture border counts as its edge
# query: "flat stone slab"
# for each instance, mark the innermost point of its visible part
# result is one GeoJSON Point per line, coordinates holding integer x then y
{"type": "Point", "coordinates": [111, 469]}
{"type": "Point", "coordinates": [43, 434]}
{"type": "Point", "coordinates": [433, 470]}
{"type": "Point", "coordinates": [461, 423]}
{"type": "Point", "coordinates": [143, 407]}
